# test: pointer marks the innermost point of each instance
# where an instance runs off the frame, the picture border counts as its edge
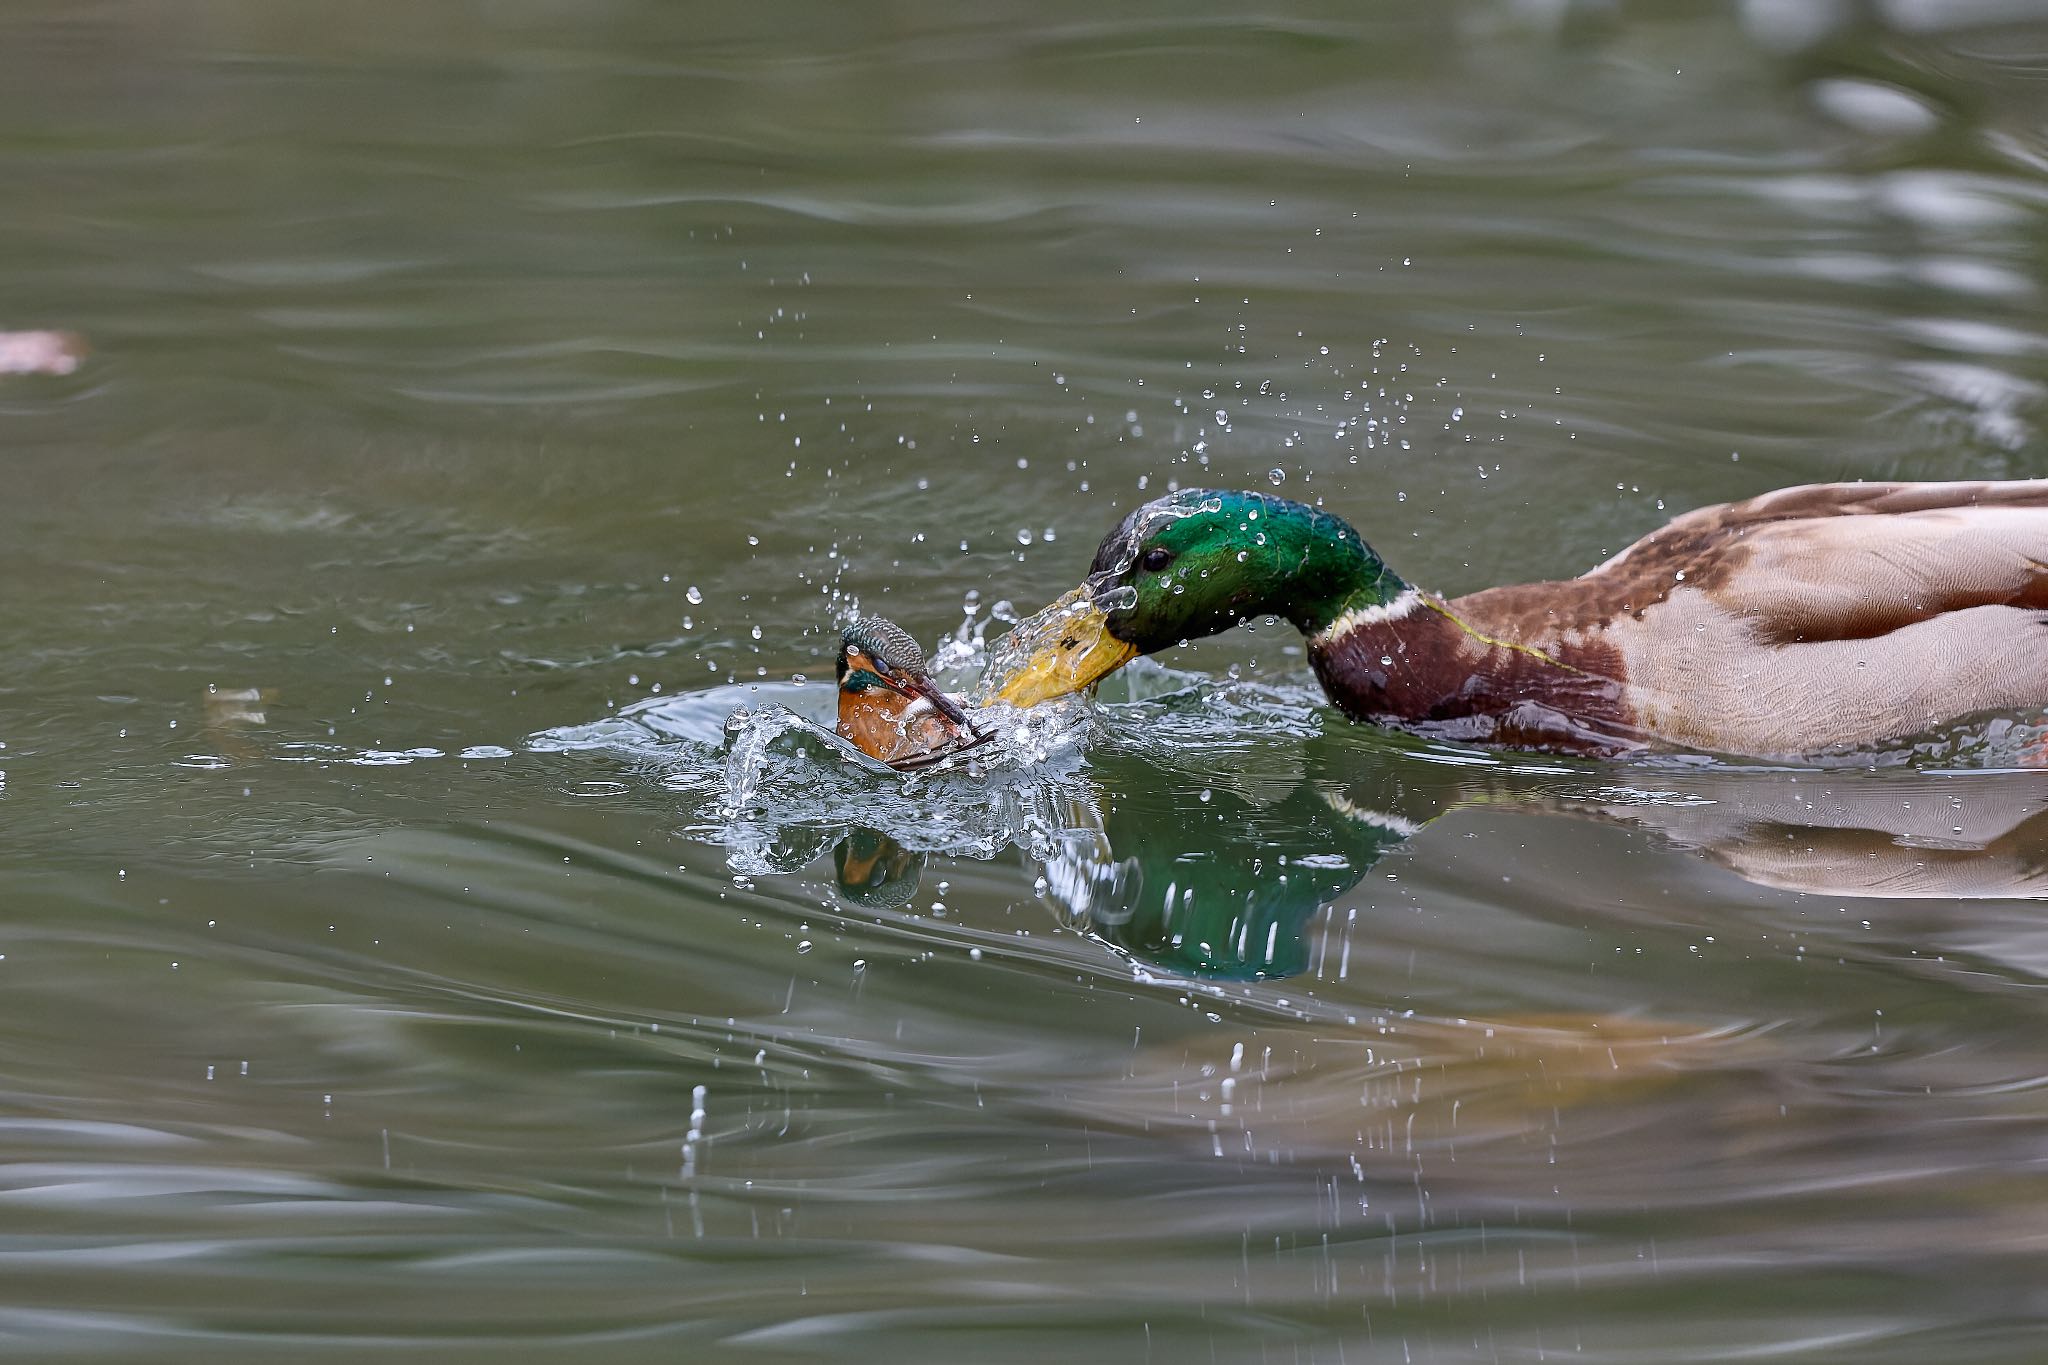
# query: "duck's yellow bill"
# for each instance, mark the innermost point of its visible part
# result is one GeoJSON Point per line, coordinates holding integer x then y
{"type": "Point", "coordinates": [1064, 648]}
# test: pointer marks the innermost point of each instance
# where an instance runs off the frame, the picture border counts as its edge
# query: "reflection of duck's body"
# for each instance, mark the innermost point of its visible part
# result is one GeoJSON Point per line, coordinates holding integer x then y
{"type": "Point", "coordinates": [1833, 615]}
{"type": "Point", "coordinates": [1230, 887]}
{"type": "Point", "coordinates": [888, 708]}
{"type": "Point", "coordinates": [1228, 875]}
{"type": "Point", "coordinates": [1980, 837]}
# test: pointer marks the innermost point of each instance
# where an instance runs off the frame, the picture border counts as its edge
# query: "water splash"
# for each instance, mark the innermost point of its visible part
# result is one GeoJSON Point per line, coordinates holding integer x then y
{"type": "Point", "coordinates": [775, 786]}
{"type": "Point", "coordinates": [1200, 824]}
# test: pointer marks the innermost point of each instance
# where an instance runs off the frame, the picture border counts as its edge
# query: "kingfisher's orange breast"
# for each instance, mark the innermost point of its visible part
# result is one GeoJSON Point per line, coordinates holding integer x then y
{"type": "Point", "coordinates": [895, 729]}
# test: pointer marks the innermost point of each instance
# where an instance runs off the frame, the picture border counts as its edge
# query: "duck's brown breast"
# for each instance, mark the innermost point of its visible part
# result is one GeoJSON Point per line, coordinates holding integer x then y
{"type": "Point", "coordinates": [1423, 668]}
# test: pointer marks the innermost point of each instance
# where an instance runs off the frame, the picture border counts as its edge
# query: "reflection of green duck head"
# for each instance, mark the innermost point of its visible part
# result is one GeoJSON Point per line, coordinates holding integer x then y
{"type": "Point", "coordinates": [1217, 886]}
{"type": "Point", "coordinates": [875, 871]}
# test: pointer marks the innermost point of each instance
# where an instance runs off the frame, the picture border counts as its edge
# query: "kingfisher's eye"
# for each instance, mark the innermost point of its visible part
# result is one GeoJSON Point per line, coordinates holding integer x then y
{"type": "Point", "coordinates": [1155, 559]}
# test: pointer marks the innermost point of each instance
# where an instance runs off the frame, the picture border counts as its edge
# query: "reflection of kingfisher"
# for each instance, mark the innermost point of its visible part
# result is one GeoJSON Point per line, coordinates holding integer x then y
{"type": "Point", "coordinates": [875, 872]}
{"type": "Point", "coordinates": [889, 709]}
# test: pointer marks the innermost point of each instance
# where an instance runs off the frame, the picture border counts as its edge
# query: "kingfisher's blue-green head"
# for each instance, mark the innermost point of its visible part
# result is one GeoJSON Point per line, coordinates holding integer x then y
{"type": "Point", "coordinates": [1191, 564]}
{"type": "Point", "coordinates": [875, 652]}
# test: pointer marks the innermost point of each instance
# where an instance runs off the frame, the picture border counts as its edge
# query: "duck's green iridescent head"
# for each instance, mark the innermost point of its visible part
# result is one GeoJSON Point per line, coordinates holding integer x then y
{"type": "Point", "coordinates": [1191, 564]}
{"type": "Point", "coordinates": [1196, 563]}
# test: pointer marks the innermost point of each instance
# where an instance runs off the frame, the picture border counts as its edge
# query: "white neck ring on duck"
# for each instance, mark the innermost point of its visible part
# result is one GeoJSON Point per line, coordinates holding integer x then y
{"type": "Point", "coordinates": [1407, 603]}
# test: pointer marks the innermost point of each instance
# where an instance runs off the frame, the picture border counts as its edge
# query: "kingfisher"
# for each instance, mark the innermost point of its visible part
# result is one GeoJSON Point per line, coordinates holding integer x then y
{"type": "Point", "coordinates": [889, 708]}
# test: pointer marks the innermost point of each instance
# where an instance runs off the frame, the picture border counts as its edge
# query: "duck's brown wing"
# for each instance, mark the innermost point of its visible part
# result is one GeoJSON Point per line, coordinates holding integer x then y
{"type": "Point", "coordinates": [1843, 561]}
{"type": "Point", "coordinates": [1855, 578]}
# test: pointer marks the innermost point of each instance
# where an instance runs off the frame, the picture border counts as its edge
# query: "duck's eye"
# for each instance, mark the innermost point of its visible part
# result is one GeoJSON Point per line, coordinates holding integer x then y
{"type": "Point", "coordinates": [1155, 559]}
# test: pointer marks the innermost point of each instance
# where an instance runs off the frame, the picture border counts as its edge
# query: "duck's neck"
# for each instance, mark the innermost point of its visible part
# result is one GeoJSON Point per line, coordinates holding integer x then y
{"type": "Point", "coordinates": [1397, 602]}
{"type": "Point", "coordinates": [1408, 659]}
{"type": "Point", "coordinates": [1413, 661]}
{"type": "Point", "coordinates": [1326, 570]}
{"type": "Point", "coordinates": [1382, 648]}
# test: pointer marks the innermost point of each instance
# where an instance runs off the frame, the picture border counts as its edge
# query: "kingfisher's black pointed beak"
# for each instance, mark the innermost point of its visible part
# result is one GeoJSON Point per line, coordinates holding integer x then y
{"type": "Point", "coordinates": [912, 685]}
{"type": "Point", "coordinates": [924, 687]}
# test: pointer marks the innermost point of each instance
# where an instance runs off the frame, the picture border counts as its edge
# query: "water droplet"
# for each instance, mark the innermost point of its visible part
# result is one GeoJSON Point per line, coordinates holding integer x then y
{"type": "Point", "coordinates": [693, 595]}
{"type": "Point", "coordinates": [1276, 476]}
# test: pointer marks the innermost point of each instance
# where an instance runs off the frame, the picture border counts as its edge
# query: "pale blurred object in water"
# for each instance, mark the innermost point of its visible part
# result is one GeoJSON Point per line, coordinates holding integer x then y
{"type": "Point", "coordinates": [230, 713]}
{"type": "Point", "coordinates": [227, 706]}
{"type": "Point", "coordinates": [40, 352]}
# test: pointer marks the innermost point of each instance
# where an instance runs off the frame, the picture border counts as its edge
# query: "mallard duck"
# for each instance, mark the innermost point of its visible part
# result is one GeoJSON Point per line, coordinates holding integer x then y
{"type": "Point", "coordinates": [1823, 617]}
{"type": "Point", "coordinates": [889, 709]}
